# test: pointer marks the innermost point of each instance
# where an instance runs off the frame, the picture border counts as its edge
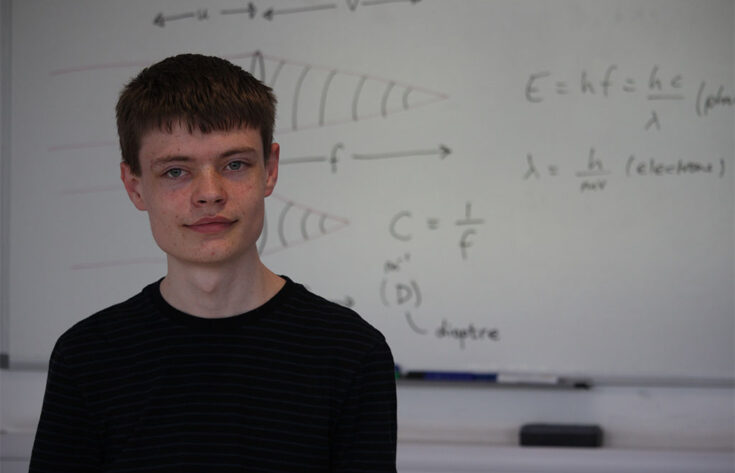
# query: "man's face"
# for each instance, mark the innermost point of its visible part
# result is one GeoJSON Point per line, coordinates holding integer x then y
{"type": "Point", "coordinates": [204, 193]}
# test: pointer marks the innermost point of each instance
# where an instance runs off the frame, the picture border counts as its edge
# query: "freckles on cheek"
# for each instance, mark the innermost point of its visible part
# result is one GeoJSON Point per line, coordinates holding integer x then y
{"type": "Point", "coordinates": [165, 223]}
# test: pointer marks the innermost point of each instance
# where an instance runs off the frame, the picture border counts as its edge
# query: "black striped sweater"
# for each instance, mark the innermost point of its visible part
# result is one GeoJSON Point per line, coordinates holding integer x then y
{"type": "Point", "coordinates": [299, 384]}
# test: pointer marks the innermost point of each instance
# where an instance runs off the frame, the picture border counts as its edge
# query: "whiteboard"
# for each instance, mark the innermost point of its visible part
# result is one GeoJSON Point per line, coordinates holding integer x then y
{"type": "Point", "coordinates": [527, 187]}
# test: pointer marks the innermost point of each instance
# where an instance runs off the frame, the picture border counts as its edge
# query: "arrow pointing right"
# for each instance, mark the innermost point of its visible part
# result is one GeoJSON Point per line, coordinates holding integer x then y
{"type": "Point", "coordinates": [442, 151]}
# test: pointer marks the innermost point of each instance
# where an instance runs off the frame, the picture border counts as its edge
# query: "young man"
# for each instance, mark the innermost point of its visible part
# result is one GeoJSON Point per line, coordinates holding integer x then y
{"type": "Point", "coordinates": [222, 365]}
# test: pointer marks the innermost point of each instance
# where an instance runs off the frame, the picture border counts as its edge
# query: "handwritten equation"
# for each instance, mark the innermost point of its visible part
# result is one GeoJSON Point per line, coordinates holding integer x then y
{"type": "Point", "coordinates": [611, 83]}
{"type": "Point", "coordinates": [594, 172]}
{"type": "Point", "coordinates": [253, 12]}
{"type": "Point", "coordinates": [402, 227]}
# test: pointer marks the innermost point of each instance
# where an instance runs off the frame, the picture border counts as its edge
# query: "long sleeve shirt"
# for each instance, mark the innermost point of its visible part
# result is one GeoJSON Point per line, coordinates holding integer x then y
{"type": "Point", "coordinates": [299, 384]}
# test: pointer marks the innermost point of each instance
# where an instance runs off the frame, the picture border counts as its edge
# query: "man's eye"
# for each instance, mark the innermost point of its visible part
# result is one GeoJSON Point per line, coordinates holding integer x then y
{"type": "Point", "coordinates": [174, 173]}
{"type": "Point", "coordinates": [235, 165]}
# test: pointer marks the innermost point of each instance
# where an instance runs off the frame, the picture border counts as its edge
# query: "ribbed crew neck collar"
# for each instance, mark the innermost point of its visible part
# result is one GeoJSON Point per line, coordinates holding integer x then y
{"type": "Point", "coordinates": [153, 292]}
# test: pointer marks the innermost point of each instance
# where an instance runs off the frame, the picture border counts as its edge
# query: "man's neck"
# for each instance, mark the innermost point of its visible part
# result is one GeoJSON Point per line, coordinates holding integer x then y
{"type": "Point", "coordinates": [215, 292]}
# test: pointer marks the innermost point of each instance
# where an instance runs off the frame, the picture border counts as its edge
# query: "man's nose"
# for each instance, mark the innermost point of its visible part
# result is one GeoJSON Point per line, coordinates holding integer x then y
{"type": "Point", "coordinates": [209, 189]}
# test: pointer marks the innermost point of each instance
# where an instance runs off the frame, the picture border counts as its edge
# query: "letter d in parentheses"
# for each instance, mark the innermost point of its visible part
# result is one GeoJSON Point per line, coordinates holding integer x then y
{"type": "Point", "coordinates": [404, 293]}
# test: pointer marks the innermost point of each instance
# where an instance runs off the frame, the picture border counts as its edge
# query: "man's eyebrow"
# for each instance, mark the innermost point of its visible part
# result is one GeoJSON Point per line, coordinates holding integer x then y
{"type": "Point", "coordinates": [164, 160]}
{"type": "Point", "coordinates": [234, 151]}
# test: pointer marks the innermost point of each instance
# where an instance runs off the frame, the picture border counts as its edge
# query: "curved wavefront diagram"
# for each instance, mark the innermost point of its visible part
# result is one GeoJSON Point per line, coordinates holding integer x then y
{"type": "Point", "coordinates": [288, 224]}
{"type": "Point", "coordinates": [311, 96]}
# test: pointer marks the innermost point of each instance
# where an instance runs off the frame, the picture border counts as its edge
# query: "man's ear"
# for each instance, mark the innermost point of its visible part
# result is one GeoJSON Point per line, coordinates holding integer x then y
{"type": "Point", "coordinates": [271, 169]}
{"type": "Point", "coordinates": [132, 186]}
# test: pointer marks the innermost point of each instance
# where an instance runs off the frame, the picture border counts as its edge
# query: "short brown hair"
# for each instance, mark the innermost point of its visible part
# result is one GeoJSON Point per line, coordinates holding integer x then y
{"type": "Point", "coordinates": [203, 93]}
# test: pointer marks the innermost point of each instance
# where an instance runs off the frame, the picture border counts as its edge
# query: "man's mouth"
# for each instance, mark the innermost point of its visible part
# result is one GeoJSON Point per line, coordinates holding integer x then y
{"type": "Point", "coordinates": [211, 225]}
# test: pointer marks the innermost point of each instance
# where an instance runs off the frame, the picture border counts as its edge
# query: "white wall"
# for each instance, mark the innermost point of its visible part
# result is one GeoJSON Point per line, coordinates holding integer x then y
{"type": "Point", "coordinates": [638, 418]}
{"type": "Point", "coordinates": [680, 424]}
{"type": "Point", "coordinates": [4, 167]}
